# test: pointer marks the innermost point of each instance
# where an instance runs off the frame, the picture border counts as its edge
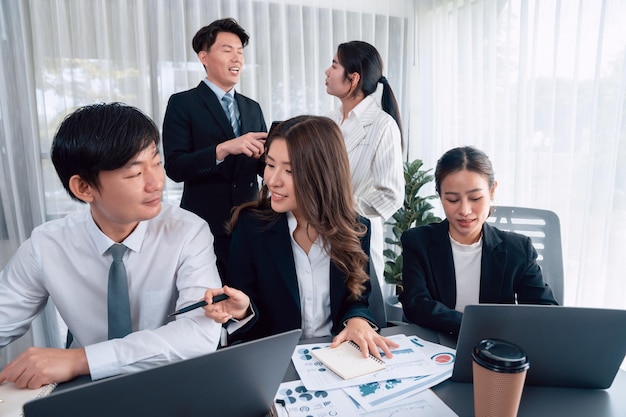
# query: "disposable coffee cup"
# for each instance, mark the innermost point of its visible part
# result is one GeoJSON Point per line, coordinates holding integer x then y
{"type": "Point", "coordinates": [499, 371]}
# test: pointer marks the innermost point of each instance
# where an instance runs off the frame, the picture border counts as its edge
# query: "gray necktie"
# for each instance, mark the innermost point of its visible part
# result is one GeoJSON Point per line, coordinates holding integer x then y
{"type": "Point", "coordinates": [230, 112]}
{"type": "Point", "coordinates": [118, 301]}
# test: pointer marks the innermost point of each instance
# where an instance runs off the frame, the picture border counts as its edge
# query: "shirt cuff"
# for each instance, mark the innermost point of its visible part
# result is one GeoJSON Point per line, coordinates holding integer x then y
{"type": "Point", "coordinates": [99, 360]}
{"type": "Point", "coordinates": [233, 325]}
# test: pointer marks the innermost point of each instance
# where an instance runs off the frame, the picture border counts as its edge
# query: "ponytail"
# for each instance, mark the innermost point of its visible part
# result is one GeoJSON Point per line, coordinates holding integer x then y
{"type": "Point", "coordinates": [389, 104]}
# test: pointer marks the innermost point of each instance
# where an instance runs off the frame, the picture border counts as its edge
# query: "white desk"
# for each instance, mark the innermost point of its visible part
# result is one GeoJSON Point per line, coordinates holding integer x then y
{"type": "Point", "coordinates": [536, 401]}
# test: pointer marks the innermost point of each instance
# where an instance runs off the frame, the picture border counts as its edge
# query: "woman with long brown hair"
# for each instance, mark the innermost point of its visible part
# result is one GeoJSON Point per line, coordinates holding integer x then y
{"type": "Point", "coordinates": [299, 255]}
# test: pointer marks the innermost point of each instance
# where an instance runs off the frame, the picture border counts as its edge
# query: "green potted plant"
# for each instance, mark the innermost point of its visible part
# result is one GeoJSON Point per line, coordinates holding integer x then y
{"type": "Point", "coordinates": [415, 211]}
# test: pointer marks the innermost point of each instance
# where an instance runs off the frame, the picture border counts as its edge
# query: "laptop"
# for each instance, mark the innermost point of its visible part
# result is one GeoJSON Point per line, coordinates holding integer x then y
{"type": "Point", "coordinates": [566, 346]}
{"type": "Point", "coordinates": [235, 381]}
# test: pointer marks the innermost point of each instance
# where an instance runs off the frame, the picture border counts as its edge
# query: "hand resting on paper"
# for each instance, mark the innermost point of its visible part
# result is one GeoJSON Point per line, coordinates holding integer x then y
{"type": "Point", "coordinates": [360, 332]}
{"type": "Point", "coordinates": [37, 367]}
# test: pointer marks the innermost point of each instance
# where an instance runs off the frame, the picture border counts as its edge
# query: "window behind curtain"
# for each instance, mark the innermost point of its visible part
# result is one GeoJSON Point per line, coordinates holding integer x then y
{"type": "Point", "coordinates": [140, 53]}
{"type": "Point", "coordinates": [58, 55]}
{"type": "Point", "coordinates": [540, 86]}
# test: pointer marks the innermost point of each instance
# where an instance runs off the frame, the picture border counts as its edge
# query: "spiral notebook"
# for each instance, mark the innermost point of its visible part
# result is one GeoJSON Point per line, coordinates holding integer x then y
{"type": "Point", "coordinates": [12, 399]}
{"type": "Point", "coordinates": [347, 361]}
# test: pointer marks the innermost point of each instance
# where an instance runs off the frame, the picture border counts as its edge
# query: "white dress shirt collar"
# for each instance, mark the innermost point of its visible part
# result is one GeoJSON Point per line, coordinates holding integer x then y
{"type": "Point", "coordinates": [356, 113]}
{"type": "Point", "coordinates": [103, 242]}
{"type": "Point", "coordinates": [218, 91]}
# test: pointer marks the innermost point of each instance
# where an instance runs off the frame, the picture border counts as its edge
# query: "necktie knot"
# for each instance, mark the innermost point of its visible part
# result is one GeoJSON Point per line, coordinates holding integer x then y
{"type": "Point", "coordinates": [117, 251]}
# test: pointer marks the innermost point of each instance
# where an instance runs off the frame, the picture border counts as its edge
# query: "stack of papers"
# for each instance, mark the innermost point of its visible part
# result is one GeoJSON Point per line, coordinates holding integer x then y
{"type": "Point", "coordinates": [300, 402]}
{"type": "Point", "coordinates": [401, 389]}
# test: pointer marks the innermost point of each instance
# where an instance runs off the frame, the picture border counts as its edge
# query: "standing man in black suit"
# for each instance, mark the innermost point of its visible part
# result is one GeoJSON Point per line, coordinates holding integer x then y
{"type": "Point", "coordinates": [211, 143]}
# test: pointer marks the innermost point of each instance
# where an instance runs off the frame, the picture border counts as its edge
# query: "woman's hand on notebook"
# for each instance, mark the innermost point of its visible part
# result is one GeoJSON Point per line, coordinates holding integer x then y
{"type": "Point", "coordinates": [361, 332]}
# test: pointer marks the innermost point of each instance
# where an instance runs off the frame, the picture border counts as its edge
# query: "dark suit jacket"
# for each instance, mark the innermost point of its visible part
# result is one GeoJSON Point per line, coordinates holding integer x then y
{"type": "Point", "coordinates": [194, 124]}
{"type": "Point", "coordinates": [261, 264]}
{"type": "Point", "coordinates": [508, 271]}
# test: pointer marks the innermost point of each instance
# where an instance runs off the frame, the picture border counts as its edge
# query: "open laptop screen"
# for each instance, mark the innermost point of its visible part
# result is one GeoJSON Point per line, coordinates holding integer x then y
{"type": "Point", "coordinates": [566, 346]}
{"type": "Point", "coordinates": [236, 381]}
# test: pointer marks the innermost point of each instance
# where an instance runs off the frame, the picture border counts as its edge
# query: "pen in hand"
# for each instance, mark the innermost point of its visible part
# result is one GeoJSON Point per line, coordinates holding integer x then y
{"type": "Point", "coordinates": [216, 299]}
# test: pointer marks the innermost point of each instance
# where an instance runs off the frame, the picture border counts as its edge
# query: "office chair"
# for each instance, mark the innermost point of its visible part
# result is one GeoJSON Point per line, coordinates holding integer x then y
{"type": "Point", "coordinates": [544, 229]}
{"type": "Point", "coordinates": [376, 300]}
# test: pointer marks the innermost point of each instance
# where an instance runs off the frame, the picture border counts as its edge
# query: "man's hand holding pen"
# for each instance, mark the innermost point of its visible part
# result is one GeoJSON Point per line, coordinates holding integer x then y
{"type": "Point", "coordinates": [235, 307]}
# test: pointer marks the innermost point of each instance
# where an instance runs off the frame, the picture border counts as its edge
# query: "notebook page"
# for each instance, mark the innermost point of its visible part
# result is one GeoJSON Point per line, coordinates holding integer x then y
{"type": "Point", "coordinates": [12, 399]}
{"type": "Point", "coordinates": [347, 361]}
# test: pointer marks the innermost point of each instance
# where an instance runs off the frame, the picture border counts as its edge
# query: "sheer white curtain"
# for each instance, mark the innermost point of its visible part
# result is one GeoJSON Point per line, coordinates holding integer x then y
{"type": "Point", "coordinates": [61, 54]}
{"type": "Point", "coordinates": [539, 86]}
{"type": "Point", "coordinates": [21, 193]}
{"type": "Point", "coordinates": [139, 52]}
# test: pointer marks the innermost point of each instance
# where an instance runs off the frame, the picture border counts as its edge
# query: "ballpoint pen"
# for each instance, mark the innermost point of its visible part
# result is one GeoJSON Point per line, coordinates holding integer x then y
{"type": "Point", "coordinates": [216, 299]}
{"type": "Point", "coordinates": [283, 406]}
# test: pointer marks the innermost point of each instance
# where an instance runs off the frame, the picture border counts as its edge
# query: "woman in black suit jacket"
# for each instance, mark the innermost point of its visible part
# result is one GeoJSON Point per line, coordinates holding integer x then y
{"type": "Point", "coordinates": [299, 255]}
{"type": "Point", "coordinates": [463, 260]}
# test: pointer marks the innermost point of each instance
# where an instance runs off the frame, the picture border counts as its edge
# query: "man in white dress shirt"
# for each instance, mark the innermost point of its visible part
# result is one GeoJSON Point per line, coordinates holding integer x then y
{"type": "Point", "coordinates": [107, 156]}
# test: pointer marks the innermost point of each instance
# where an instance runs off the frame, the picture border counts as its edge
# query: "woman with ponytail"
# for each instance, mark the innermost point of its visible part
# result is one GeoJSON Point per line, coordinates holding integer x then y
{"type": "Point", "coordinates": [372, 136]}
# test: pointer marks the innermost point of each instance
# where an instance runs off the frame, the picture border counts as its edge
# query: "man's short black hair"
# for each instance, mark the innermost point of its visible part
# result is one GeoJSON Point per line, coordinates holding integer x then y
{"type": "Point", "coordinates": [205, 37]}
{"type": "Point", "coordinates": [100, 137]}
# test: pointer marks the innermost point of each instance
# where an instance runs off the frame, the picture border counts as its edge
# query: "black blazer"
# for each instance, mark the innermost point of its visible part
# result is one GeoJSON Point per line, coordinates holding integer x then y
{"type": "Point", "coordinates": [194, 124]}
{"type": "Point", "coordinates": [261, 264]}
{"type": "Point", "coordinates": [509, 271]}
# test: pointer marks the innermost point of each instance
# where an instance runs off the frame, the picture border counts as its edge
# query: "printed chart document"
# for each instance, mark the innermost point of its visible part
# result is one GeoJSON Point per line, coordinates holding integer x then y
{"type": "Point", "coordinates": [294, 400]}
{"type": "Point", "coordinates": [378, 395]}
{"type": "Point", "coordinates": [13, 398]}
{"type": "Point", "coordinates": [347, 361]}
{"type": "Point", "coordinates": [414, 357]}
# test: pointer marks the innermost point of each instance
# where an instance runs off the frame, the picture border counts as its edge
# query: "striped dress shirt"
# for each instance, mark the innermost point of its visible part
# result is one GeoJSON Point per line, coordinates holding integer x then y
{"type": "Point", "coordinates": [374, 147]}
